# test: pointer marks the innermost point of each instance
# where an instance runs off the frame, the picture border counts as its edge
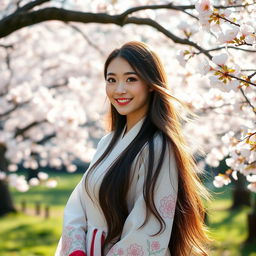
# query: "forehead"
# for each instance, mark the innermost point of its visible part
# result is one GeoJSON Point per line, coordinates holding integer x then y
{"type": "Point", "coordinates": [119, 65]}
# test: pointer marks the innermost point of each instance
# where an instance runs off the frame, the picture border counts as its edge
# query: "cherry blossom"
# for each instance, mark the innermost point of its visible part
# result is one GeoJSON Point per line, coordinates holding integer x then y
{"type": "Point", "coordinates": [51, 183]}
{"type": "Point", "coordinates": [220, 59]}
{"type": "Point", "coordinates": [2, 175]}
{"type": "Point", "coordinates": [167, 206]}
{"type": "Point", "coordinates": [42, 175]}
{"type": "Point", "coordinates": [135, 250]}
{"type": "Point", "coordinates": [56, 91]}
{"type": "Point", "coordinates": [221, 180]}
{"type": "Point", "coordinates": [155, 246]}
{"type": "Point", "coordinates": [252, 187]}
{"type": "Point", "coordinates": [34, 182]}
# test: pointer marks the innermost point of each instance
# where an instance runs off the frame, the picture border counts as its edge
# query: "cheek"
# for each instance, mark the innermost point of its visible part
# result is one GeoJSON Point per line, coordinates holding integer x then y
{"type": "Point", "coordinates": [143, 92]}
{"type": "Point", "coordinates": [108, 90]}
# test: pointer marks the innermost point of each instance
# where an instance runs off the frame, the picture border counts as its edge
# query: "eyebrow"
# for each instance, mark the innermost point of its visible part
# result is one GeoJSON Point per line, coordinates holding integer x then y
{"type": "Point", "coordinates": [126, 73]}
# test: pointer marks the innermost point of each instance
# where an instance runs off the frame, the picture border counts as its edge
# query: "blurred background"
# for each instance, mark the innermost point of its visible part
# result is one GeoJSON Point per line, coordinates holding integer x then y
{"type": "Point", "coordinates": [53, 106]}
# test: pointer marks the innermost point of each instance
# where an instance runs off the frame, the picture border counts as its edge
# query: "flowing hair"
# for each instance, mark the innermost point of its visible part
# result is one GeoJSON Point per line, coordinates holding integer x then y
{"type": "Point", "coordinates": [189, 236]}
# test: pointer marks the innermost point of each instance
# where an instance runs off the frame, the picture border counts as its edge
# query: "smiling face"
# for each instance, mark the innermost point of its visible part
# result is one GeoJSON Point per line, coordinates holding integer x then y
{"type": "Point", "coordinates": [126, 91]}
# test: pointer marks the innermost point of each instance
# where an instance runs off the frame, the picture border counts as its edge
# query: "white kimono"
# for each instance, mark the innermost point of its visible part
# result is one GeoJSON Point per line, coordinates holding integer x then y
{"type": "Point", "coordinates": [84, 225]}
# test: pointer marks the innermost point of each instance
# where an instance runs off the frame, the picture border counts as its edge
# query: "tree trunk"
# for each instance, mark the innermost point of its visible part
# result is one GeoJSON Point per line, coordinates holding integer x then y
{"type": "Point", "coordinates": [251, 220]}
{"type": "Point", "coordinates": [241, 195]}
{"type": "Point", "coordinates": [6, 203]}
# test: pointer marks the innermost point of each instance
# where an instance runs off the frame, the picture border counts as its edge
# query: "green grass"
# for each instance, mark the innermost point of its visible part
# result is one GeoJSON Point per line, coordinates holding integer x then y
{"type": "Point", "coordinates": [24, 235]}
{"type": "Point", "coordinates": [228, 227]}
{"type": "Point", "coordinates": [30, 235]}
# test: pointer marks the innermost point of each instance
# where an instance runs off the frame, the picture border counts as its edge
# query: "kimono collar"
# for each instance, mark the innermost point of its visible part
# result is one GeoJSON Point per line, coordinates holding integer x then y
{"type": "Point", "coordinates": [134, 130]}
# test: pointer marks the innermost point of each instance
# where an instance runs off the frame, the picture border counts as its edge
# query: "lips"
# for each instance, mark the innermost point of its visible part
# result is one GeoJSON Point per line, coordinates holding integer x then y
{"type": "Point", "coordinates": [123, 101]}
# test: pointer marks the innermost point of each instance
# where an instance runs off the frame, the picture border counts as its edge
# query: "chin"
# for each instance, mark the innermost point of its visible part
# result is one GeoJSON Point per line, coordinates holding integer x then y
{"type": "Point", "coordinates": [122, 113]}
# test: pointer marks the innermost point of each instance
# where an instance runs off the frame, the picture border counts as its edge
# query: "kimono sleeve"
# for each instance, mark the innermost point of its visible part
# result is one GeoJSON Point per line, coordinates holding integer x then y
{"type": "Point", "coordinates": [72, 241]}
{"type": "Point", "coordinates": [141, 241]}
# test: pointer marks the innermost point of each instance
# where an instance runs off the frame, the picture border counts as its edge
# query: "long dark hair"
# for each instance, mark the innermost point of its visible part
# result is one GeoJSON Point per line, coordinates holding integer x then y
{"type": "Point", "coordinates": [188, 232]}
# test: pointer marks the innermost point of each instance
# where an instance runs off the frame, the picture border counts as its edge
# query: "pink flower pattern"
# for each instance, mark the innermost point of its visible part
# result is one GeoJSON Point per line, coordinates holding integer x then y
{"type": "Point", "coordinates": [66, 243]}
{"type": "Point", "coordinates": [135, 250]}
{"type": "Point", "coordinates": [73, 239]}
{"type": "Point", "coordinates": [167, 206]}
{"type": "Point", "coordinates": [115, 251]}
{"type": "Point", "coordinates": [155, 246]}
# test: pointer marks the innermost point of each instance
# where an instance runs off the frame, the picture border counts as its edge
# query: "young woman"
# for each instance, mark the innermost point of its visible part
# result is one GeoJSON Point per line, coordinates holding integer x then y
{"type": "Point", "coordinates": [140, 195]}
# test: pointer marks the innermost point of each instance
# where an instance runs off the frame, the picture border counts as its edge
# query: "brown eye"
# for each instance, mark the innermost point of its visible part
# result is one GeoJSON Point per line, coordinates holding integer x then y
{"type": "Point", "coordinates": [132, 79]}
{"type": "Point", "coordinates": [111, 80]}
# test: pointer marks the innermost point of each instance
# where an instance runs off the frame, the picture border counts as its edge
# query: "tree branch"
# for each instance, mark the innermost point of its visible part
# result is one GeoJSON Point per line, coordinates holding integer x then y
{"type": "Point", "coordinates": [31, 5]}
{"type": "Point", "coordinates": [240, 79]}
{"type": "Point", "coordinates": [248, 101]}
{"type": "Point", "coordinates": [167, 33]}
{"type": "Point", "coordinates": [14, 22]}
{"type": "Point", "coordinates": [8, 111]}
{"type": "Point", "coordinates": [21, 131]}
{"type": "Point", "coordinates": [233, 6]}
{"type": "Point", "coordinates": [87, 39]}
{"type": "Point", "coordinates": [229, 47]}
{"type": "Point", "coordinates": [7, 46]}
{"type": "Point", "coordinates": [252, 75]}
{"type": "Point", "coordinates": [12, 109]}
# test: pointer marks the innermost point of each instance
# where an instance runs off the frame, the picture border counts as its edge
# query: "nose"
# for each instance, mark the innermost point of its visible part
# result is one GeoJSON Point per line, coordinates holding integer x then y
{"type": "Point", "coordinates": [120, 88]}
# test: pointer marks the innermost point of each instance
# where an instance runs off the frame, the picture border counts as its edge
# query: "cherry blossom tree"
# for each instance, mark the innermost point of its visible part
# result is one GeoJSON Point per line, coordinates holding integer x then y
{"type": "Point", "coordinates": [52, 88]}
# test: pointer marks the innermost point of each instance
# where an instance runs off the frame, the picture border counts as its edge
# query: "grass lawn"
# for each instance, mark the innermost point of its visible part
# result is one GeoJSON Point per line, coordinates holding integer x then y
{"type": "Point", "coordinates": [228, 227]}
{"type": "Point", "coordinates": [30, 235]}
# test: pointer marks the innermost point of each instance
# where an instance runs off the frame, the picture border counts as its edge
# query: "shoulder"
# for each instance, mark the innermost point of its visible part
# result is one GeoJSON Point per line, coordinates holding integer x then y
{"type": "Point", "coordinates": [105, 139]}
{"type": "Point", "coordinates": [158, 145]}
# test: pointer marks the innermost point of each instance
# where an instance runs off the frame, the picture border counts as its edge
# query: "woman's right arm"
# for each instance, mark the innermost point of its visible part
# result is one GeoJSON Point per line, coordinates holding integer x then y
{"type": "Point", "coordinates": [72, 241]}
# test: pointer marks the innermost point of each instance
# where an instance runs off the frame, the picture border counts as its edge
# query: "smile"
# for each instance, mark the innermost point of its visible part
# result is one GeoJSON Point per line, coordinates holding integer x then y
{"type": "Point", "coordinates": [123, 101]}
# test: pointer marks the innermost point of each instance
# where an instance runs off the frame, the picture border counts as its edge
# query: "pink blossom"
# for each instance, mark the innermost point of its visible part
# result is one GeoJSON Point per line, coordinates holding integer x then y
{"type": "Point", "coordinates": [204, 67]}
{"type": "Point", "coordinates": [250, 39]}
{"type": "Point", "coordinates": [78, 237]}
{"type": "Point", "coordinates": [228, 34]}
{"type": "Point", "coordinates": [203, 6]}
{"type": "Point", "coordinates": [167, 206]}
{"type": "Point", "coordinates": [221, 180]}
{"type": "Point", "coordinates": [220, 59]}
{"type": "Point", "coordinates": [251, 178]}
{"type": "Point", "coordinates": [66, 244]}
{"type": "Point", "coordinates": [246, 29]}
{"type": "Point", "coordinates": [135, 250]}
{"type": "Point", "coordinates": [120, 251]}
{"type": "Point", "coordinates": [234, 175]}
{"type": "Point", "coordinates": [51, 183]}
{"type": "Point", "coordinates": [181, 58]}
{"type": "Point", "coordinates": [2, 175]}
{"type": "Point", "coordinates": [252, 187]}
{"type": "Point", "coordinates": [155, 246]}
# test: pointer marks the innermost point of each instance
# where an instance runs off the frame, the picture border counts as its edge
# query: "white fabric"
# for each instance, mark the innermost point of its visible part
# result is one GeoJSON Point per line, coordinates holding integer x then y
{"type": "Point", "coordinates": [82, 214]}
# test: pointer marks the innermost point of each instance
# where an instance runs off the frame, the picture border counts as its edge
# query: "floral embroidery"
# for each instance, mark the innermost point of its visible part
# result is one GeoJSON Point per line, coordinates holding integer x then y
{"type": "Point", "coordinates": [154, 248]}
{"type": "Point", "coordinates": [120, 251]}
{"type": "Point", "coordinates": [167, 206]}
{"type": "Point", "coordinates": [135, 250]}
{"type": "Point", "coordinates": [115, 251]}
{"type": "Point", "coordinates": [73, 240]}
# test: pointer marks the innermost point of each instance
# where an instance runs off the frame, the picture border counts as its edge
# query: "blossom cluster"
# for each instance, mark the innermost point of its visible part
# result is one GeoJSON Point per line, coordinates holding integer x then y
{"type": "Point", "coordinates": [21, 184]}
{"type": "Point", "coordinates": [236, 96]}
{"type": "Point", "coordinates": [52, 95]}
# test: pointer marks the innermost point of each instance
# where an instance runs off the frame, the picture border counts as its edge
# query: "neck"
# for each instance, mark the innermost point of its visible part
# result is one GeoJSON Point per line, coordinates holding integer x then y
{"type": "Point", "coordinates": [130, 122]}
